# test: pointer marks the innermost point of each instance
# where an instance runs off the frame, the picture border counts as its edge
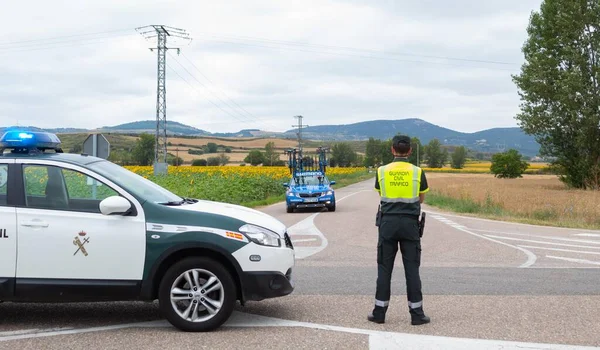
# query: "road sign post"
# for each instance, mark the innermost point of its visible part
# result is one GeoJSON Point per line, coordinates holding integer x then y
{"type": "Point", "coordinates": [98, 146]}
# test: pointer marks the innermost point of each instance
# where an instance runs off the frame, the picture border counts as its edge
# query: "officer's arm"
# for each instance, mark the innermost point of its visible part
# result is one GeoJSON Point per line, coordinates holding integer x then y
{"type": "Point", "coordinates": [377, 183]}
{"type": "Point", "coordinates": [424, 187]}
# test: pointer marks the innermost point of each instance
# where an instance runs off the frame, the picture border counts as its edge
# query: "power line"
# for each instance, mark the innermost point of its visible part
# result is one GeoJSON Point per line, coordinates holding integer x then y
{"type": "Point", "coordinates": [294, 43]}
{"type": "Point", "coordinates": [203, 85]}
{"type": "Point", "coordinates": [75, 43]}
{"type": "Point", "coordinates": [65, 36]}
{"type": "Point", "coordinates": [18, 45]}
{"type": "Point", "coordinates": [365, 56]}
{"type": "Point", "coordinates": [223, 92]}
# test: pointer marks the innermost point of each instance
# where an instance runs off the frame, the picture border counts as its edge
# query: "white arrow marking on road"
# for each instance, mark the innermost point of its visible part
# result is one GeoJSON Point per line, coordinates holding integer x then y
{"type": "Point", "coordinates": [543, 242]}
{"type": "Point", "coordinates": [531, 258]}
{"type": "Point", "coordinates": [307, 227]}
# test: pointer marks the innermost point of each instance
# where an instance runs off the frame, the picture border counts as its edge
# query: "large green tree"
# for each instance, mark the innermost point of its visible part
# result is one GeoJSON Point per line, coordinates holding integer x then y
{"type": "Point", "coordinates": [271, 155]}
{"type": "Point", "coordinates": [435, 156]}
{"type": "Point", "coordinates": [559, 86]}
{"type": "Point", "coordinates": [459, 157]}
{"type": "Point", "coordinates": [343, 154]}
{"type": "Point", "coordinates": [143, 152]}
{"type": "Point", "coordinates": [509, 164]}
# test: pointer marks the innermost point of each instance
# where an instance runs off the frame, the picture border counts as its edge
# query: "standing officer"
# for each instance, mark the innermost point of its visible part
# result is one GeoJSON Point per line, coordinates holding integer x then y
{"type": "Point", "coordinates": [402, 187]}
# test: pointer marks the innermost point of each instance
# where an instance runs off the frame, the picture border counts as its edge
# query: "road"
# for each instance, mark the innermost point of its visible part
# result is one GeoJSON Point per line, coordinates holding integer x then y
{"type": "Point", "coordinates": [486, 284]}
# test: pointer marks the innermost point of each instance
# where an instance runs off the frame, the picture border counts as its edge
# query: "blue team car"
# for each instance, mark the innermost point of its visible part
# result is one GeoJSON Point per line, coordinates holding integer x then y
{"type": "Point", "coordinates": [310, 189]}
{"type": "Point", "coordinates": [309, 186]}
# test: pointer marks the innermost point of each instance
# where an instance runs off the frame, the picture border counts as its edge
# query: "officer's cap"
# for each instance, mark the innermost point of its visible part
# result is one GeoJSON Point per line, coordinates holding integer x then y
{"type": "Point", "coordinates": [401, 139]}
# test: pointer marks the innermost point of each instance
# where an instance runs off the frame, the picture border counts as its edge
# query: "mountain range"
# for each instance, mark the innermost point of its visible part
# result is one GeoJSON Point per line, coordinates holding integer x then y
{"type": "Point", "coordinates": [489, 140]}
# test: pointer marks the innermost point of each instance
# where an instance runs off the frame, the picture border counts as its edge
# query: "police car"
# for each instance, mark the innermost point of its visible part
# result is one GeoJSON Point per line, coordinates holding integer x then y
{"type": "Point", "coordinates": [76, 228]}
{"type": "Point", "coordinates": [310, 189]}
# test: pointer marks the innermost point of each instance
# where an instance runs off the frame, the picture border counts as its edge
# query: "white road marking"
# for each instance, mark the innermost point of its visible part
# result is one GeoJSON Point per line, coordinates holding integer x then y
{"type": "Point", "coordinates": [433, 212]}
{"type": "Point", "coordinates": [531, 258]}
{"type": "Point", "coordinates": [560, 250]}
{"type": "Point", "coordinates": [580, 261]}
{"type": "Point", "coordinates": [587, 234]}
{"type": "Point", "coordinates": [50, 333]}
{"type": "Point", "coordinates": [307, 227]}
{"type": "Point", "coordinates": [543, 242]}
{"type": "Point", "coordinates": [377, 339]}
{"type": "Point", "coordinates": [29, 331]}
{"type": "Point", "coordinates": [539, 236]}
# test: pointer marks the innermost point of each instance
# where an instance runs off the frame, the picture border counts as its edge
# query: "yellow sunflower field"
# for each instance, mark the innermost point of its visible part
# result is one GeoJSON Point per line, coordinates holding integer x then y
{"type": "Point", "coordinates": [238, 185]}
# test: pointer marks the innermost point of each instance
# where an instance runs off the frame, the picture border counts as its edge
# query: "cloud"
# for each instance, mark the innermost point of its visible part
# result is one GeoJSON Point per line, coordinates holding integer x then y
{"type": "Point", "coordinates": [257, 64]}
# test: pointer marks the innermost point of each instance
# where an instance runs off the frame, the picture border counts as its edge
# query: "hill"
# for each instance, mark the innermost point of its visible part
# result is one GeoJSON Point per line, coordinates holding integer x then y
{"type": "Point", "coordinates": [490, 140]}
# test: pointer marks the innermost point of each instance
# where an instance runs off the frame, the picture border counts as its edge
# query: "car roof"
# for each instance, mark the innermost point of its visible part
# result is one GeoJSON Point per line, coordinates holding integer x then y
{"type": "Point", "coordinates": [71, 158]}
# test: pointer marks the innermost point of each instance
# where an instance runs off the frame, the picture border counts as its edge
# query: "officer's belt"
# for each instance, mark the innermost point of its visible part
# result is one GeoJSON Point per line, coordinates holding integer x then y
{"type": "Point", "coordinates": [399, 200]}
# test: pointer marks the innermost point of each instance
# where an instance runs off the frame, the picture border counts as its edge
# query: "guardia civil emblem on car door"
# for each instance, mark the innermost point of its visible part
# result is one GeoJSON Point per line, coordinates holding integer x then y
{"type": "Point", "coordinates": [77, 241]}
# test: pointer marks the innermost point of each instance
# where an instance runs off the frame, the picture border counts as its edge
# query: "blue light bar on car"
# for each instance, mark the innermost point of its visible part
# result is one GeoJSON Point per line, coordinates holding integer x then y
{"type": "Point", "coordinates": [20, 139]}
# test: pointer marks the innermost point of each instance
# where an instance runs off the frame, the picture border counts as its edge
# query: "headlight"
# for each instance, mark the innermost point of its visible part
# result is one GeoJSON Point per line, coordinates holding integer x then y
{"type": "Point", "coordinates": [329, 193]}
{"type": "Point", "coordinates": [261, 235]}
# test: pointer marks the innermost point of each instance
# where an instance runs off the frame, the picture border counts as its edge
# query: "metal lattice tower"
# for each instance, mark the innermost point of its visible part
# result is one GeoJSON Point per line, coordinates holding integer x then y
{"type": "Point", "coordinates": [161, 32]}
{"type": "Point", "coordinates": [299, 126]}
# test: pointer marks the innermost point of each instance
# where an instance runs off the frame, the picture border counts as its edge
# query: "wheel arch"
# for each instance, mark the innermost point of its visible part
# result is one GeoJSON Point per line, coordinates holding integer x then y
{"type": "Point", "coordinates": [150, 286]}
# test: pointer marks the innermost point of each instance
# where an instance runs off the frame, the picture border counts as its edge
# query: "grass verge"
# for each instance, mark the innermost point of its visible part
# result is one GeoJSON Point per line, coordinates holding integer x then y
{"type": "Point", "coordinates": [495, 211]}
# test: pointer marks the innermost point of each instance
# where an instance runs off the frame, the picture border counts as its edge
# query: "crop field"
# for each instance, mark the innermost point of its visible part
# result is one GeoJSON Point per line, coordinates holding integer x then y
{"type": "Point", "coordinates": [484, 167]}
{"type": "Point", "coordinates": [538, 199]}
{"type": "Point", "coordinates": [244, 185]}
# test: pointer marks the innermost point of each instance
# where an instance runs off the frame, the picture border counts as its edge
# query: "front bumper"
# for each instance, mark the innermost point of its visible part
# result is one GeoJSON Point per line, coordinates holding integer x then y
{"type": "Point", "coordinates": [307, 202]}
{"type": "Point", "coordinates": [263, 285]}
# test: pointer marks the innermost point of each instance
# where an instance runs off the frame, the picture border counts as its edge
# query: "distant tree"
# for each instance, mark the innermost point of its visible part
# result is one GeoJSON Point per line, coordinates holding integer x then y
{"type": "Point", "coordinates": [143, 152]}
{"type": "Point", "coordinates": [559, 86]}
{"type": "Point", "coordinates": [417, 151]}
{"type": "Point", "coordinates": [177, 161]}
{"type": "Point", "coordinates": [271, 155]}
{"type": "Point", "coordinates": [255, 157]}
{"type": "Point", "coordinates": [227, 149]}
{"type": "Point", "coordinates": [459, 157]}
{"type": "Point", "coordinates": [508, 164]}
{"type": "Point", "coordinates": [373, 152]}
{"type": "Point", "coordinates": [199, 162]}
{"type": "Point", "coordinates": [211, 147]}
{"type": "Point", "coordinates": [435, 157]}
{"type": "Point", "coordinates": [223, 159]}
{"type": "Point", "coordinates": [343, 154]}
{"type": "Point", "coordinates": [386, 152]}
{"type": "Point", "coordinates": [213, 161]}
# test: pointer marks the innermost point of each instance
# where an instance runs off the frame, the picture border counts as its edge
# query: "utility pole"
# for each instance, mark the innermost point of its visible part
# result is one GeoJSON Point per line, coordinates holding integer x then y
{"type": "Point", "coordinates": [299, 126]}
{"type": "Point", "coordinates": [161, 32]}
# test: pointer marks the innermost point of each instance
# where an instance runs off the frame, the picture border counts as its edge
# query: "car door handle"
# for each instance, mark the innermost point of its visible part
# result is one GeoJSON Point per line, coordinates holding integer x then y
{"type": "Point", "coordinates": [34, 223]}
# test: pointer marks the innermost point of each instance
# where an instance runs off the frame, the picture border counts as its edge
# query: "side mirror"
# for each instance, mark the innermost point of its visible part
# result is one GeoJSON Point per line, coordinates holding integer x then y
{"type": "Point", "coordinates": [332, 183]}
{"type": "Point", "coordinates": [115, 205]}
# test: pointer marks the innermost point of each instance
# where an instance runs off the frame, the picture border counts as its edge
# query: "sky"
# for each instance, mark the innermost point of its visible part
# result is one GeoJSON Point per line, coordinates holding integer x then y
{"type": "Point", "coordinates": [257, 64]}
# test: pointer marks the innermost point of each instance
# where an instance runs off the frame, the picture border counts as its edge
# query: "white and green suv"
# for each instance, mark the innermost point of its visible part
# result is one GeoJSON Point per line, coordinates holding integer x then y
{"type": "Point", "coordinates": [76, 228]}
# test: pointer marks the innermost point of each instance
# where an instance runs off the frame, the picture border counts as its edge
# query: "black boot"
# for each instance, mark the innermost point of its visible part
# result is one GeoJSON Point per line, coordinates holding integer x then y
{"type": "Point", "coordinates": [418, 317]}
{"type": "Point", "coordinates": [378, 315]}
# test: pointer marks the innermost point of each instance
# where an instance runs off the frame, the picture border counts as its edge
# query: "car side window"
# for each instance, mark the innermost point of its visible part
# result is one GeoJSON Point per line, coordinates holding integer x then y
{"type": "Point", "coordinates": [51, 187]}
{"type": "Point", "coordinates": [3, 184]}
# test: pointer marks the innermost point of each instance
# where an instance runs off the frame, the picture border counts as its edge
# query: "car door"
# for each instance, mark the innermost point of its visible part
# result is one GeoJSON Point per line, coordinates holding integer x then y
{"type": "Point", "coordinates": [8, 233]}
{"type": "Point", "coordinates": [66, 244]}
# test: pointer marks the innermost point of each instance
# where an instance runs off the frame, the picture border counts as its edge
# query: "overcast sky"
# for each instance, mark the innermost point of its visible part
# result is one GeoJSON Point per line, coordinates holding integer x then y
{"type": "Point", "coordinates": [257, 64]}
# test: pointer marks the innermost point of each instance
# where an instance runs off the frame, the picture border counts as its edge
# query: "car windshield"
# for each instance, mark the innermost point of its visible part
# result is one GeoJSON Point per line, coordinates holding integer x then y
{"type": "Point", "coordinates": [135, 183]}
{"type": "Point", "coordinates": [311, 180]}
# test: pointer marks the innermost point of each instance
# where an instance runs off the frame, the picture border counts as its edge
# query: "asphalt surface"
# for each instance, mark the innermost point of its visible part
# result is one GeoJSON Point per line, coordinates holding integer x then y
{"type": "Point", "coordinates": [482, 280]}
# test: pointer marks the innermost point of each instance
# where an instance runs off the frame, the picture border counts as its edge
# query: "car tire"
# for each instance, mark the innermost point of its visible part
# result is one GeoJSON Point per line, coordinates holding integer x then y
{"type": "Point", "coordinates": [179, 276]}
{"type": "Point", "coordinates": [290, 209]}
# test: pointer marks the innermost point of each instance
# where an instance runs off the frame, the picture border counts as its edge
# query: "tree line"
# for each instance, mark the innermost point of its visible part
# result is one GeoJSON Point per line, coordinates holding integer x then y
{"type": "Point", "coordinates": [434, 155]}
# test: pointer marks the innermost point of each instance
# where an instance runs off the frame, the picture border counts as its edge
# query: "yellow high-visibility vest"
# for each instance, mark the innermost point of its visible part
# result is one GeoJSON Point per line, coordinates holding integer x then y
{"type": "Point", "coordinates": [399, 182]}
